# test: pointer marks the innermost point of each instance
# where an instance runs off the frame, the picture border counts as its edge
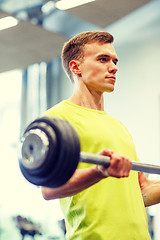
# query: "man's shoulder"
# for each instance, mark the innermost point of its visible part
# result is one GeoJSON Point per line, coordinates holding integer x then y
{"type": "Point", "coordinates": [56, 109]}
{"type": "Point", "coordinates": [60, 110]}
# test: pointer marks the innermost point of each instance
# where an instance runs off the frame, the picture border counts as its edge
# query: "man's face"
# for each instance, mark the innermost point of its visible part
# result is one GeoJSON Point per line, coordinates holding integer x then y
{"type": "Point", "coordinates": [98, 67]}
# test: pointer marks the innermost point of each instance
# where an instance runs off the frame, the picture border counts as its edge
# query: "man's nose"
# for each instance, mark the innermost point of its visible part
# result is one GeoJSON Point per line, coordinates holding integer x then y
{"type": "Point", "coordinates": [113, 68]}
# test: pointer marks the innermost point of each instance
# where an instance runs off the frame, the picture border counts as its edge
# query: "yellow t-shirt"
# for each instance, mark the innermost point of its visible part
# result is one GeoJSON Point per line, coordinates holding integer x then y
{"type": "Point", "coordinates": [112, 209]}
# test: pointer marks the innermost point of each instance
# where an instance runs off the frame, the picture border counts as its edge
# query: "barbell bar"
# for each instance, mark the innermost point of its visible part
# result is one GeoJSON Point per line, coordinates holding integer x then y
{"type": "Point", "coordinates": [104, 161]}
{"type": "Point", "coordinates": [49, 153]}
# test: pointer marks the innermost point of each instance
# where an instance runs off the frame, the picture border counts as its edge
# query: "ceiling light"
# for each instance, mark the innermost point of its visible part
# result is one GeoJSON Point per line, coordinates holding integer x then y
{"type": "Point", "coordinates": [8, 22]}
{"type": "Point", "coordinates": [67, 4]}
{"type": "Point", "coordinates": [49, 6]}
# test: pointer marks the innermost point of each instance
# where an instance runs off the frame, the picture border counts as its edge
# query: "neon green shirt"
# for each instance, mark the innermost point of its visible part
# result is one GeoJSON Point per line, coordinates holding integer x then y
{"type": "Point", "coordinates": [112, 209]}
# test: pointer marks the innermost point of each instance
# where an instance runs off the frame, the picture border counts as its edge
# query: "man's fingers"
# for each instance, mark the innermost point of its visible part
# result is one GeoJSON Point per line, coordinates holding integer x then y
{"type": "Point", "coordinates": [106, 152]}
{"type": "Point", "coordinates": [120, 166]}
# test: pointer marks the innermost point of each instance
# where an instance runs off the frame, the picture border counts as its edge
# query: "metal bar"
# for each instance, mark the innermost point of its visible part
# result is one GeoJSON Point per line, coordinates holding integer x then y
{"type": "Point", "coordinates": [94, 159]}
{"type": "Point", "coordinates": [104, 161]}
{"type": "Point", "coordinates": [144, 167]}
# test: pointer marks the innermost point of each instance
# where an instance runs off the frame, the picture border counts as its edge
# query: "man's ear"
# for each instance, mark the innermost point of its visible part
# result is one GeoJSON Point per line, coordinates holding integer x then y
{"type": "Point", "coordinates": [75, 67]}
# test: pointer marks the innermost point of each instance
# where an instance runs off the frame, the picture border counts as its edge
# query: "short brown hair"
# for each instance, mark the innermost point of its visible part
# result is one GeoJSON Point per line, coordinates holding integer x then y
{"type": "Point", "coordinates": [73, 49]}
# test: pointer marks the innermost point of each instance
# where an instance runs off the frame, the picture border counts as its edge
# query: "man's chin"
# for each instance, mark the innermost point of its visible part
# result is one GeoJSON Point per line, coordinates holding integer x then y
{"type": "Point", "coordinates": [110, 90]}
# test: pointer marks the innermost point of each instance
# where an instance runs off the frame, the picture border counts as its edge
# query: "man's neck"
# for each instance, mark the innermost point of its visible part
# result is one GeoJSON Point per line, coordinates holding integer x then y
{"type": "Point", "coordinates": [87, 99]}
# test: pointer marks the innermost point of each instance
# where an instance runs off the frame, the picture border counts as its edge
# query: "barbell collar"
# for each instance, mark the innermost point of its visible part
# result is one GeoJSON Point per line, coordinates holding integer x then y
{"type": "Point", "coordinates": [34, 148]}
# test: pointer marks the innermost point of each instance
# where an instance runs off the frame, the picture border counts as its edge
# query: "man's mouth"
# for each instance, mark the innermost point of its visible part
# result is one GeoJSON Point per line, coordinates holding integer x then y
{"type": "Point", "coordinates": [113, 78]}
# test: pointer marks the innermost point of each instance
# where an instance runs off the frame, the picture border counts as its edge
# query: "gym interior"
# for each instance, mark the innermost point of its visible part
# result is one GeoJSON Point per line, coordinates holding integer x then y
{"type": "Point", "coordinates": [32, 80]}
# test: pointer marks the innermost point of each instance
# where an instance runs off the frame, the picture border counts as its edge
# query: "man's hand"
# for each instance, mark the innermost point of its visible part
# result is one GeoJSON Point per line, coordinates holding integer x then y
{"type": "Point", "coordinates": [120, 165]}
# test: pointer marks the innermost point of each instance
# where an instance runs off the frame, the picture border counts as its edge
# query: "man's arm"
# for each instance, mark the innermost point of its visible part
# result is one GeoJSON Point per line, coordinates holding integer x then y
{"type": "Point", "coordinates": [81, 179]}
{"type": "Point", "coordinates": [120, 166]}
{"type": "Point", "coordinates": [150, 190]}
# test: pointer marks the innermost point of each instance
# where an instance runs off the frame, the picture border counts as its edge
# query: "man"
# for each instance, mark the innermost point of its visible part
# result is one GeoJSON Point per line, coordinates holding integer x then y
{"type": "Point", "coordinates": [100, 203]}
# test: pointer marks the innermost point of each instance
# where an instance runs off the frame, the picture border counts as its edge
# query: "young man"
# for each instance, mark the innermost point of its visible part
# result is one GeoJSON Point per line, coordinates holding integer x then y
{"type": "Point", "coordinates": [99, 203]}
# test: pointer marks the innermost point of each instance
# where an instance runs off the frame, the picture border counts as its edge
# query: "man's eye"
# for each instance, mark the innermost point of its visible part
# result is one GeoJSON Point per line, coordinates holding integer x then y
{"type": "Point", "coordinates": [103, 59]}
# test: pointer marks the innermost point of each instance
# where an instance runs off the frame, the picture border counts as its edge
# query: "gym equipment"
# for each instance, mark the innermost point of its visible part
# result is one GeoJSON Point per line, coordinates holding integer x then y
{"type": "Point", "coordinates": [50, 153]}
{"type": "Point", "coordinates": [27, 227]}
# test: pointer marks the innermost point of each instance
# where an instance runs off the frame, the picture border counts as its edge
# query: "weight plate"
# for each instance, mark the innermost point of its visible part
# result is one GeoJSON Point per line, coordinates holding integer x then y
{"type": "Point", "coordinates": [61, 172]}
{"type": "Point", "coordinates": [62, 157]}
{"type": "Point", "coordinates": [36, 174]}
{"type": "Point", "coordinates": [34, 150]}
{"type": "Point", "coordinates": [69, 153]}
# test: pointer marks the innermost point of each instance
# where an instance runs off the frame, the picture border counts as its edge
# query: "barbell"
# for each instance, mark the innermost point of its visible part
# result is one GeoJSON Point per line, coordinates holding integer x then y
{"type": "Point", "coordinates": [49, 153]}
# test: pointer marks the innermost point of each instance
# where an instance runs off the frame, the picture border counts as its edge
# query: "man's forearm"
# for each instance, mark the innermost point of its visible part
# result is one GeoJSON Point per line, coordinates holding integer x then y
{"type": "Point", "coordinates": [151, 194]}
{"type": "Point", "coordinates": [81, 180]}
{"type": "Point", "coordinates": [150, 190]}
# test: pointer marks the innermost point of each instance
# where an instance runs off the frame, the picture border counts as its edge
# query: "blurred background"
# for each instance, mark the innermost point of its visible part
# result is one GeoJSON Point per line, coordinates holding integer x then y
{"type": "Point", "coordinates": [32, 33]}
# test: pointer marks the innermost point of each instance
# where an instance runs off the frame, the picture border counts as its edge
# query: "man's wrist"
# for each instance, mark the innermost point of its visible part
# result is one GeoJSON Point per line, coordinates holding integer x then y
{"type": "Point", "coordinates": [104, 173]}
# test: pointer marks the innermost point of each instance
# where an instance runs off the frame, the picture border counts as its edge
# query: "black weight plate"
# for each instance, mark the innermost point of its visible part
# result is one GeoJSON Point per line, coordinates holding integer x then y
{"type": "Point", "coordinates": [69, 153]}
{"type": "Point", "coordinates": [68, 149]}
{"type": "Point", "coordinates": [52, 151]}
{"type": "Point", "coordinates": [73, 150]}
{"type": "Point", "coordinates": [33, 175]}
{"type": "Point", "coordinates": [61, 173]}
